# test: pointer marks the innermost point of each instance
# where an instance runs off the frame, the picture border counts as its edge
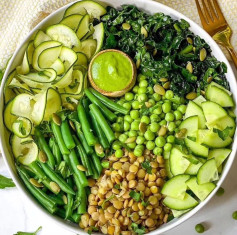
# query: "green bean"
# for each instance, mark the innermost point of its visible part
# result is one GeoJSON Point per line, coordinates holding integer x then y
{"type": "Point", "coordinates": [107, 113]}
{"type": "Point", "coordinates": [58, 135]}
{"type": "Point", "coordinates": [86, 102]}
{"type": "Point", "coordinates": [90, 138]}
{"type": "Point", "coordinates": [100, 134]}
{"type": "Point", "coordinates": [73, 218]}
{"type": "Point", "coordinates": [95, 172]}
{"type": "Point", "coordinates": [103, 123]}
{"type": "Point", "coordinates": [41, 196]}
{"type": "Point", "coordinates": [55, 149]}
{"type": "Point", "coordinates": [57, 199]}
{"type": "Point", "coordinates": [74, 163]}
{"type": "Point", "coordinates": [69, 201]}
{"type": "Point", "coordinates": [97, 163]}
{"type": "Point", "coordinates": [57, 179]}
{"type": "Point", "coordinates": [44, 146]}
{"type": "Point", "coordinates": [76, 217]}
{"type": "Point", "coordinates": [67, 135]}
{"type": "Point", "coordinates": [109, 103]}
{"type": "Point", "coordinates": [82, 139]}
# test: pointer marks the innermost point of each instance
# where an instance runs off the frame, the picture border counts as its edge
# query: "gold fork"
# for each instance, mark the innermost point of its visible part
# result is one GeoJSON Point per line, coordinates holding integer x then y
{"type": "Point", "coordinates": [214, 23]}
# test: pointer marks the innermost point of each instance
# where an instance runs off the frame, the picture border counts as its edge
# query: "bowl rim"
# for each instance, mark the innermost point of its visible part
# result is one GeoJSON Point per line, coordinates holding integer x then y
{"type": "Point", "coordinates": [70, 226]}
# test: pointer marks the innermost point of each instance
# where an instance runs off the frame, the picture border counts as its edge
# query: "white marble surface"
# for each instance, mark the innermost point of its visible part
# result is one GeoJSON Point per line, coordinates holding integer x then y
{"type": "Point", "coordinates": [16, 214]}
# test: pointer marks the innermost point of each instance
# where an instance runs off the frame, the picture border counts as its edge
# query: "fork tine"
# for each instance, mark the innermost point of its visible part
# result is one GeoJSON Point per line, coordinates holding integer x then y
{"type": "Point", "coordinates": [207, 13]}
{"type": "Point", "coordinates": [201, 13]}
{"type": "Point", "coordinates": [218, 10]}
{"type": "Point", "coordinates": [211, 8]}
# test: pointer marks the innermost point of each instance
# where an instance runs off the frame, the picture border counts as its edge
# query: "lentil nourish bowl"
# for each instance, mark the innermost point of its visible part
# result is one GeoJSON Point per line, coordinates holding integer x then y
{"type": "Point", "coordinates": [129, 164]}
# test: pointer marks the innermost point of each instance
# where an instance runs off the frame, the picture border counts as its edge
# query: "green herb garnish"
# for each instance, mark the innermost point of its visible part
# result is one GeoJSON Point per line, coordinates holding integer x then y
{"type": "Point", "coordinates": [147, 167]}
{"type": "Point", "coordinates": [25, 233]}
{"type": "Point", "coordinates": [6, 182]}
{"type": "Point", "coordinates": [136, 196]}
{"type": "Point", "coordinates": [223, 134]}
{"type": "Point", "coordinates": [138, 230]}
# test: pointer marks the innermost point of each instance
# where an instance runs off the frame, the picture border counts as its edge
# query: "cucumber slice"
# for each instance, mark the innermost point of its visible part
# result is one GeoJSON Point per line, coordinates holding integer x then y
{"type": "Point", "coordinates": [194, 110]}
{"type": "Point", "coordinates": [94, 9]}
{"type": "Point", "coordinates": [178, 164]}
{"type": "Point", "coordinates": [89, 34]}
{"type": "Point", "coordinates": [219, 96]}
{"type": "Point", "coordinates": [48, 56]}
{"type": "Point", "coordinates": [22, 127]}
{"type": "Point", "coordinates": [221, 87]}
{"type": "Point", "coordinates": [167, 168]}
{"type": "Point", "coordinates": [176, 204]}
{"type": "Point", "coordinates": [24, 153]}
{"type": "Point", "coordinates": [9, 94]}
{"type": "Point", "coordinates": [213, 111]}
{"type": "Point", "coordinates": [231, 113]}
{"type": "Point", "coordinates": [24, 68]}
{"type": "Point", "coordinates": [219, 155]}
{"type": "Point", "coordinates": [191, 125]}
{"type": "Point", "coordinates": [166, 154]}
{"type": "Point", "coordinates": [201, 191]}
{"type": "Point", "coordinates": [41, 37]}
{"type": "Point", "coordinates": [177, 214]}
{"type": "Point", "coordinates": [199, 100]}
{"type": "Point", "coordinates": [83, 27]}
{"type": "Point", "coordinates": [40, 49]}
{"type": "Point", "coordinates": [68, 56]}
{"type": "Point", "coordinates": [192, 159]}
{"type": "Point", "coordinates": [220, 169]}
{"type": "Point", "coordinates": [193, 168]}
{"type": "Point", "coordinates": [72, 21]}
{"type": "Point", "coordinates": [65, 80]}
{"type": "Point", "coordinates": [58, 66]}
{"type": "Point", "coordinates": [196, 148]}
{"type": "Point", "coordinates": [81, 60]}
{"type": "Point", "coordinates": [208, 172]}
{"type": "Point", "coordinates": [7, 116]}
{"type": "Point", "coordinates": [30, 51]}
{"type": "Point", "coordinates": [75, 88]}
{"type": "Point", "coordinates": [212, 140]}
{"type": "Point", "coordinates": [222, 123]}
{"type": "Point", "coordinates": [18, 85]}
{"type": "Point", "coordinates": [63, 34]}
{"type": "Point", "coordinates": [98, 35]}
{"type": "Point", "coordinates": [88, 47]}
{"type": "Point", "coordinates": [176, 187]}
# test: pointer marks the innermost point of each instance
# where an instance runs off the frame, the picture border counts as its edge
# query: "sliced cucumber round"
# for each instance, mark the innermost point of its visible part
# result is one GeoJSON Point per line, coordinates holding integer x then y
{"type": "Point", "coordinates": [167, 168]}
{"type": "Point", "coordinates": [88, 47]}
{"type": "Point", "coordinates": [191, 125]}
{"type": "Point", "coordinates": [18, 85]}
{"type": "Point", "coordinates": [176, 187]}
{"type": "Point", "coordinates": [94, 9]}
{"type": "Point", "coordinates": [24, 68]}
{"type": "Point", "coordinates": [177, 213]}
{"type": "Point", "coordinates": [196, 148]}
{"type": "Point", "coordinates": [81, 60]}
{"type": "Point", "coordinates": [199, 100]}
{"type": "Point", "coordinates": [58, 66]}
{"type": "Point", "coordinates": [201, 191]}
{"type": "Point", "coordinates": [208, 172]}
{"type": "Point", "coordinates": [9, 93]}
{"type": "Point", "coordinates": [72, 21]}
{"type": "Point", "coordinates": [41, 37]}
{"type": "Point", "coordinates": [24, 153]}
{"type": "Point", "coordinates": [221, 87]}
{"type": "Point", "coordinates": [30, 51]}
{"type": "Point", "coordinates": [21, 127]}
{"type": "Point", "coordinates": [193, 169]}
{"type": "Point", "coordinates": [176, 204]}
{"type": "Point", "coordinates": [98, 35]}
{"type": "Point", "coordinates": [83, 26]}
{"type": "Point", "coordinates": [7, 116]}
{"type": "Point", "coordinates": [75, 88]}
{"type": "Point", "coordinates": [219, 155]}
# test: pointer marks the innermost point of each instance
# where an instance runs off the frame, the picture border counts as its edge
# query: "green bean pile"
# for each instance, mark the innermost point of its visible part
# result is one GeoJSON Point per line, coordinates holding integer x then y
{"type": "Point", "coordinates": [69, 157]}
{"type": "Point", "coordinates": [152, 122]}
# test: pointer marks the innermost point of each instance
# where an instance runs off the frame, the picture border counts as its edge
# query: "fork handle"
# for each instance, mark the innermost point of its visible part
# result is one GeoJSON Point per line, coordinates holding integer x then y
{"type": "Point", "coordinates": [233, 54]}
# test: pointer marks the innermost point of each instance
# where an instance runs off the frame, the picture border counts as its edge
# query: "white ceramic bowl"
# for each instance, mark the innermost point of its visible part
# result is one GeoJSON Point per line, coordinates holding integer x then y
{"type": "Point", "coordinates": [150, 7]}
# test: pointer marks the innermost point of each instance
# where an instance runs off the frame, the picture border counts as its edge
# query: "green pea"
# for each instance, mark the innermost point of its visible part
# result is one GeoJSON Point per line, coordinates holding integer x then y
{"type": "Point", "coordinates": [177, 123]}
{"type": "Point", "coordinates": [182, 108]}
{"type": "Point", "coordinates": [141, 77]}
{"type": "Point", "coordinates": [142, 98]}
{"type": "Point", "coordinates": [119, 153]}
{"type": "Point", "coordinates": [135, 125]}
{"type": "Point", "coordinates": [163, 123]}
{"type": "Point", "coordinates": [149, 135]}
{"type": "Point", "coordinates": [116, 127]}
{"type": "Point", "coordinates": [119, 119]}
{"type": "Point", "coordinates": [131, 145]}
{"type": "Point", "coordinates": [129, 96]}
{"type": "Point", "coordinates": [143, 83]}
{"type": "Point", "coordinates": [156, 97]}
{"type": "Point", "coordinates": [171, 126]}
{"type": "Point", "coordinates": [123, 138]}
{"type": "Point", "coordinates": [132, 133]}
{"type": "Point", "coordinates": [162, 116]}
{"type": "Point", "coordinates": [220, 191]}
{"type": "Point", "coordinates": [154, 118]}
{"type": "Point", "coordinates": [154, 127]}
{"type": "Point", "coordinates": [150, 145]}
{"type": "Point", "coordinates": [169, 117]}
{"type": "Point", "coordinates": [160, 141]}
{"type": "Point", "coordinates": [140, 140]}
{"type": "Point", "coordinates": [170, 139]}
{"type": "Point", "coordinates": [128, 118]}
{"type": "Point", "coordinates": [117, 134]}
{"type": "Point", "coordinates": [152, 102]}
{"type": "Point", "coordinates": [234, 215]}
{"type": "Point", "coordinates": [141, 90]}
{"type": "Point", "coordinates": [126, 126]}
{"type": "Point", "coordinates": [150, 90]}
{"type": "Point", "coordinates": [135, 104]}
{"type": "Point", "coordinates": [167, 147]}
{"type": "Point", "coordinates": [116, 145]}
{"type": "Point", "coordinates": [158, 110]}
{"type": "Point", "coordinates": [145, 119]}
{"type": "Point", "coordinates": [138, 151]}
{"type": "Point", "coordinates": [120, 102]}
{"type": "Point", "coordinates": [134, 114]}
{"type": "Point", "coordinates": [199, 228]}
{"type": "Point", "coordinates": [178, 115]}
{"type": "Point", "coordinates": [141, 133]}
{"type": "Point", "coordinates": [157, 151]}
{"type": "Point", "coordinates": [166, 107]}
{"type": "Point", "coordinates": [127, 106]}
{"type": "Point", "coordinates": [135, 89]}
{"type": "Point", "coordinates": [105, 164]}
{"type": "Point", "coordinates": [169, 94]}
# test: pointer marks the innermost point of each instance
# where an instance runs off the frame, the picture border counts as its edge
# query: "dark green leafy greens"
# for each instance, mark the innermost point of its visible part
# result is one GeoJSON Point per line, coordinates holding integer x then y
{"type": "Point", "coordinates": [146, 165]}
{"type": "Point", "coordinates": [136, 196]}
{"type": "Point", "coordinates": [165, 51]}
{"type": "Point", "coordinates": [138, 230]}
{"type": "Point", "coordinates": [25, 233]}
{"type": "Point", "coordinates": [6, 182]}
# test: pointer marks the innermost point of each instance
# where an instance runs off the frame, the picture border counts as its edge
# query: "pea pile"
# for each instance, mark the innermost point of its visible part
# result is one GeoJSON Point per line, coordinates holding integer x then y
{"type": "Point", "coordinates": [155, 114]}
